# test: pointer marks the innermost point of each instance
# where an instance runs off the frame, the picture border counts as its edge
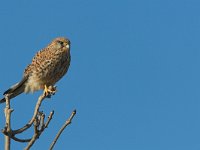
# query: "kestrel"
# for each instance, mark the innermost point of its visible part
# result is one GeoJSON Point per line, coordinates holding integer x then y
{"type": "Point", "coordinates": [48, 66]}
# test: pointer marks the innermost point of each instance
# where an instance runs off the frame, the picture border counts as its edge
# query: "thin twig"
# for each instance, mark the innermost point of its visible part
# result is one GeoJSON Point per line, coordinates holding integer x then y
{"type": "Point", "coordinates": [35, 136]}
{"type": "Point", "coordinates": [49, 119]}
{"type": "Point", "coordinates": [13, 137]}
{"type": "Point", "coordinates": [42, 121]}
{"type": "Point", "coordinates": [69, 120]}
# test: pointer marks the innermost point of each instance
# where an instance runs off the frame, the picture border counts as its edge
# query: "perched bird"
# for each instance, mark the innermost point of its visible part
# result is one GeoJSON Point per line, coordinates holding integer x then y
{"type": "Point", "coordinates": [48, 66]}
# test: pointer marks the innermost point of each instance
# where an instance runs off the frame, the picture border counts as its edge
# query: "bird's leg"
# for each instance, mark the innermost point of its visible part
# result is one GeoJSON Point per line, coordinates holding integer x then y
{"type": "Point", "coordinates": [48, 91]}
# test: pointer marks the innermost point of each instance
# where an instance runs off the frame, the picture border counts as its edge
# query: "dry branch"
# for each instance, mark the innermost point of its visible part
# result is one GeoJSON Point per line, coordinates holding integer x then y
{"type": "Point", "coordinates": [37, 120]}
{"type": "Point", "coordinates": [39, 127]}
{"type": "Point", "coordinates": [7, 128]}
{"type": "Point", "coordinates": [69, 120]}
{"type": "Point", "coordinates": [11, 133]}
{"type": "Point", "coordinates": [36, 110]}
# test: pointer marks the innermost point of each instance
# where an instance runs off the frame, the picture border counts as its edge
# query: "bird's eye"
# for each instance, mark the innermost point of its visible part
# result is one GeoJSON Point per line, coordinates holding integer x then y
{"type": "Point", "coordinates": [60, 42]}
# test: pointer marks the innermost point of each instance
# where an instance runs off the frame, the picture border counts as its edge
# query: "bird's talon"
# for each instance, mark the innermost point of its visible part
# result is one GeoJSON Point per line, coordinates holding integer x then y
{"type": "Point", "coordinates": [48, 91]}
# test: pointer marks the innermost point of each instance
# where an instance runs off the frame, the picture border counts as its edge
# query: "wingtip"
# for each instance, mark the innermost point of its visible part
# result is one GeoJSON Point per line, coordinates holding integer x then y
{"type": "Point", "coordinates": [7, 91]}
{"type": "Point", "coordinates": [2, 100]}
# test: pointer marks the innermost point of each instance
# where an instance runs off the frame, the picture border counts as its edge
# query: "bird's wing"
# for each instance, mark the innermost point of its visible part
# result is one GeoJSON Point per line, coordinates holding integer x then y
{"type": "Point", "coordinates": [37, 61]}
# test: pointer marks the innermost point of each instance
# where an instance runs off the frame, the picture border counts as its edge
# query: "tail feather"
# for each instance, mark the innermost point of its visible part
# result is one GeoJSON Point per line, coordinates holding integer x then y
{"type": "Point", "coordinates": [15, 90]}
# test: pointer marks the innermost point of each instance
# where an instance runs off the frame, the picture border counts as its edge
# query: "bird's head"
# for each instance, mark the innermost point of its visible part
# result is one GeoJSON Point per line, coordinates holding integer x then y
{"type": "Point", "coordinates": [61, 42]}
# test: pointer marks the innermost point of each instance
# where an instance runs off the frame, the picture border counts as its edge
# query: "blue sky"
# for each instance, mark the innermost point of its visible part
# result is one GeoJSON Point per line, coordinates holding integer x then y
{"type": "Point", "coordinates": [134, 75]}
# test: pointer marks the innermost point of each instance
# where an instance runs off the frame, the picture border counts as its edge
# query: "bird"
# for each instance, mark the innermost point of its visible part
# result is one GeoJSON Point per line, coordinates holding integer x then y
{"type": "Point", "coordinates": [48, 66]}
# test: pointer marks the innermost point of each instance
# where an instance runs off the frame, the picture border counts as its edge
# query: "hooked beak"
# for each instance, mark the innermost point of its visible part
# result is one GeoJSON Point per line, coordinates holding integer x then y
{"type": "Point", "coordinates": [67, 46]}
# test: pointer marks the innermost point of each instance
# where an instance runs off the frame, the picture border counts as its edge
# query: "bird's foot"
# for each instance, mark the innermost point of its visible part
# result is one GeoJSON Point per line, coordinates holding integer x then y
{"type": "Point", "coordinates": [49, 91]}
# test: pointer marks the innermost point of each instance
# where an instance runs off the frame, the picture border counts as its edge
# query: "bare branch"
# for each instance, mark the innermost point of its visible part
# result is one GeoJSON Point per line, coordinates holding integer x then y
{"type": "Point", "coordinates": [69, 120]}
{"type": "Point", "coordinates": [52, 91]}
{"type": "Point", "coordinates": [39, 122]}
{"type": "Point", "coordinates": [36, 134]}
{"type": "Point", "coordinates": [29, 124]}
{"type": "Point", "coordinates": [7, 112]}
{"type": "Point", "coordinates": [37, 116]}
{"type": "Point", "coordinates": [13, 137]}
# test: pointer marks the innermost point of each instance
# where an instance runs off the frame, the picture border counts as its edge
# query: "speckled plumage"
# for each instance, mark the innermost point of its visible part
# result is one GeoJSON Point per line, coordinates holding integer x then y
{"type": "Point", "coordinates": [48, 66]}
